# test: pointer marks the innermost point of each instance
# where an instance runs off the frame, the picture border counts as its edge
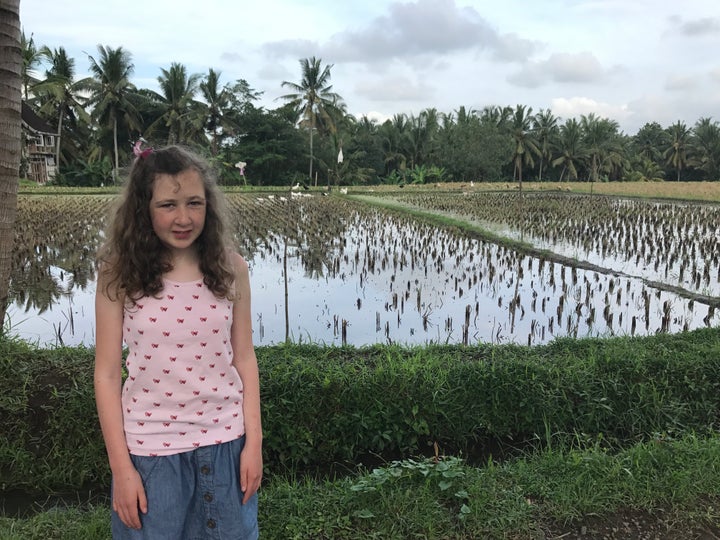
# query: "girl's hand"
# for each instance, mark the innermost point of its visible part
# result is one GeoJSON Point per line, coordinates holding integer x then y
{"type": "Point", "coordinates": [251, 469]}
{"type": "Point", "coordinates": [129, 496]}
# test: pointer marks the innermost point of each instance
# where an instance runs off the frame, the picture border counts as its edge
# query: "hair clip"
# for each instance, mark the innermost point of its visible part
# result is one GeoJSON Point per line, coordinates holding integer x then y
{"type": "Point", "coordinates": [138, 150]}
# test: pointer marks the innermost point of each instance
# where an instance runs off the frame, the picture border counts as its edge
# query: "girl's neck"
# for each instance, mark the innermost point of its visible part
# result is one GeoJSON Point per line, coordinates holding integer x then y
{"type": "Point", "coordinates": [185, 267]}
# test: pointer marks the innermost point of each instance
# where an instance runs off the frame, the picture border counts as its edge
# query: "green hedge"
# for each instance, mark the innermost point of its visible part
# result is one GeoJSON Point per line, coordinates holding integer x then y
{"type": "Point", "coordinates": [327, 405]}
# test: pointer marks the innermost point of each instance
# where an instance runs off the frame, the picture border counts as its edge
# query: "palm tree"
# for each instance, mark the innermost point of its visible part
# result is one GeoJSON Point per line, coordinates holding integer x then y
{"type": "Point", "coordinates": [497, 116]}
{"type": "Point", "coordinates": [11, 65]}
{"type": "Point", "coordinates": [545, 126]}
{"type": "Point", "coordinates": [32, 57]}
{"type": "Point", "coordinates": [422, 136]}
{"type": "Point", "coordinates": [525, 144]}
{"type": "Point", "coordinates": [570, 148]}
{"type": "Point", "coordinates": [177, 103]}
{"type": "Point", "coordinates": [215, 108]}
{"type": "Point", "coordinates": [110, 93]}
{"type": "Point", "coordinates": [216, 103]}
{"type": "Point", "coordinates": [676, 154]}
{"type": "Point", "coordinates": [706, 144]}
{"type": "Point", "coordinates": [600, 138]}
{"type": "Point", "coordinates": [60, 94]}
{"type": "Point", "coordinates": [313, 98]}
{"type": "Point", "coordinates": [650, 141]}
{"type": "Point", "coordinates": [393, 134]}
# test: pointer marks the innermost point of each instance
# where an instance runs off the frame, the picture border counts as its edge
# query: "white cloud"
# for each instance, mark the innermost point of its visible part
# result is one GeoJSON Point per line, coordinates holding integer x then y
{"type": "Point", "coordinates": [575, 107]}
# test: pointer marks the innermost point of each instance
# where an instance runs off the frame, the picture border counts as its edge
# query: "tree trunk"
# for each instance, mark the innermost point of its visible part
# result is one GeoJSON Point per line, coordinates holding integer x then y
{"type": "Point", "coordinates": [117, 159]}
{"type": "Point", "coordinates": [10, 98]}
{"type": "Point", "coordinates": [312, 128]}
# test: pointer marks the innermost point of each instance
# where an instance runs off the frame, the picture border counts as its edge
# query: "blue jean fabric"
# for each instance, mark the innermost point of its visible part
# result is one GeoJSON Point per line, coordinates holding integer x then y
{"type": "Point", "coordinates": [193, 496]}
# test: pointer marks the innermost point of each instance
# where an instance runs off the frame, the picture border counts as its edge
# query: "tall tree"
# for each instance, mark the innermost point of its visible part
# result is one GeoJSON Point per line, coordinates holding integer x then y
{"type": "Point", "coordinates": [11, 65]}
{"type": "Point", "coordinates": [676, 154]}
{"type": "Point", "coordinates": [393, 134]}
{"type": "Point", "coordinates": [471, 149]}
{"type": "Point", "coordinates": [545, 126]}
{"type": "Point", "coordinates": [313, 98]}
{"type": "Point", "coordinates": [422, 136]}
{"type": "Point", "coordinates": [650, 141]}
{"type": "Point", "coordinates": [215, 107]}
{"type": "Point", "coordinates": [177, 102]}
{"type": "Point", "coordinates": [110, 93]}
{"type": "Point", "coordinates": [571, 149]}
{"type": "Point", "coordinates": [497, 116]}
{"type": "Point", "coordinates": [706, 144]}
{"type": "Point", "coordinates": [60, 95]}
{"type": "Point", "coordinates": [32, 57]}
{"type": "Point", "coordinates": [601, 140]}
{"type": "Point", "coordinates": [526, 146]}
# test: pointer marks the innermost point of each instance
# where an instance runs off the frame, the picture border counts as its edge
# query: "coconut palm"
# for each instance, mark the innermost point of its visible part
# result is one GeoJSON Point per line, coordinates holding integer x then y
{"type": "Point", "coordinates": [497, 116]}
{"type": "Point", "coordinates": [676, 154]}
{"type": "Point", "coordinates": [11, 65]}
{"type": "Point", "coordinates": [571, 149]}
{"type": "Point", "coordinates": [602, 142]}
{"type": "Point", "coordinates": [177, 104]}
{"type": "Point", "coordinates": [525, 144]}
{"type": "Point", "coordinates": [313, 99]}
{"type": "Point", "coordinates": [111, 92]}
{"type": "Point", "coordinates": [706, 144]}
{"type": "Point", "coordinates": [650, 141]}
{"type": "Point", "coordinates": [32, 57]}
{"type": "Point", "coordinates": [215, 107]}
{"type": "Point", "coordinates": [60, 94]}
{"type": "Point", "coordinates": [422, 136]}
{"type": "Point", "coordinates": [393, 135]}
{"type": "Point", "coordinates": [545, 126]}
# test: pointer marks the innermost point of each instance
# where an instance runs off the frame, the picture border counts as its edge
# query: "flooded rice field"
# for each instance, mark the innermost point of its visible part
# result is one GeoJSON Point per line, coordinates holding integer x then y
{"type": "Point", "coordinates": [327, 269]}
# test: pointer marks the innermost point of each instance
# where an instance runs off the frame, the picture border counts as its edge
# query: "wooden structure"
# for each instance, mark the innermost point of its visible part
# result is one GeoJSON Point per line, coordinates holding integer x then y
{"type": "Point", "coordinates": [39, 141]}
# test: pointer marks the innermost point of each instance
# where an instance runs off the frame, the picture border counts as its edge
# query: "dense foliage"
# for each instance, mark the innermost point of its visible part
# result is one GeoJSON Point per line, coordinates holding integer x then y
{"type": "Point", "coordinates": [325, 407]}
{"type": "Point", "coordinates": [99, 116]}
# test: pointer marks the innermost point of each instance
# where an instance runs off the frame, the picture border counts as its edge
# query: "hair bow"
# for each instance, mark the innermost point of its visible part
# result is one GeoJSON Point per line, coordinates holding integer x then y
{"type": "Point", "coordinates": [138, 150]}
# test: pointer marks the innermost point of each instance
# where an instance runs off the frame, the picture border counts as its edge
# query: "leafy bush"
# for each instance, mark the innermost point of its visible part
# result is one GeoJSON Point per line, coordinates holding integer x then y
{"type": "Point", "coordinates": [325, 407]}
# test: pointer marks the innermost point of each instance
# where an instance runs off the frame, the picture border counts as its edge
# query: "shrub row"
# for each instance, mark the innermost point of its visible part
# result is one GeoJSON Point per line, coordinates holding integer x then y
{"type": "Point", "coordinates": [329, 405]}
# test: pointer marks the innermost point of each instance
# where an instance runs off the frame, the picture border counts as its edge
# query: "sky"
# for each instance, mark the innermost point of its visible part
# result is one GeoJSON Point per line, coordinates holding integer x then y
{"type": "Point", "coordinates": [632, 61]}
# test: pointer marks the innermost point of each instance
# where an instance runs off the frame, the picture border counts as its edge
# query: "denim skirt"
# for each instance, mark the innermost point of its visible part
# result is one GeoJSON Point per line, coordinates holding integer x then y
{"type": "Point", "coordinates": [193, 496]}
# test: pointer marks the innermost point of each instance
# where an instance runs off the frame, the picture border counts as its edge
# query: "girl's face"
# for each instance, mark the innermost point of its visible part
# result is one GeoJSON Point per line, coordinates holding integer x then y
{"type": "Point", "coordinates": [177, 209]}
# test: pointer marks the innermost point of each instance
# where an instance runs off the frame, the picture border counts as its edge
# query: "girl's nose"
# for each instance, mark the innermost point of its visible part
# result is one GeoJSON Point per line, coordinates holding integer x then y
{"type": "Point", "coordinates": [183, 215]}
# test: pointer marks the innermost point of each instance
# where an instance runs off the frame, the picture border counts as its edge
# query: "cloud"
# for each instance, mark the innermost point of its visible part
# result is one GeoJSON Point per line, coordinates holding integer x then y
{"type": "Point", "coordinates": [294, 48]}
{"type": "Point", "coordinates": [575, 107]}
{"type": "Point", "coordinates": [701, 27]}
{"type": "Point", "coordinates": [560, 68]}
{"type": "Point", "coordinates": [394, 88]}
{"type": "Point", "coordinates": [410, 30]}
{"type": "Point", "coordinates": [680, 83]}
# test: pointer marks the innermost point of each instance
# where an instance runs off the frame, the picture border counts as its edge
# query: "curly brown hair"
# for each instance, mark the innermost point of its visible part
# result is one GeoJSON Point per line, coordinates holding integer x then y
{"type": "Point", "coordinates": [132, 259]}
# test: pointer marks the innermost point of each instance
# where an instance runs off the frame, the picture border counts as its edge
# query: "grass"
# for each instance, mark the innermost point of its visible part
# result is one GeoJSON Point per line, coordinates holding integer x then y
{"type": "Point", "coordinates": [542, 494]}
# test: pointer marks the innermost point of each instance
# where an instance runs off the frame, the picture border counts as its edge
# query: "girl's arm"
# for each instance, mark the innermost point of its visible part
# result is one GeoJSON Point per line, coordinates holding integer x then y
{"type": "Point", "coordinates": [245, 362]}
{"type": "Point", "coordinates": [128, 493]}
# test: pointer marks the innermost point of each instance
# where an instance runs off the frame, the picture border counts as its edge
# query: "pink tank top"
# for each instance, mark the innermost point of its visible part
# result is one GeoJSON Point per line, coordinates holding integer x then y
{"type": "Point", "coordinates": [182, 391]}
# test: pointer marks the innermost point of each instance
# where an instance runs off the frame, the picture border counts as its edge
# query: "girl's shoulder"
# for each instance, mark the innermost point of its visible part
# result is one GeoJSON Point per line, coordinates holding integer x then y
{"type": "Point", "coordinates": [238, 262]}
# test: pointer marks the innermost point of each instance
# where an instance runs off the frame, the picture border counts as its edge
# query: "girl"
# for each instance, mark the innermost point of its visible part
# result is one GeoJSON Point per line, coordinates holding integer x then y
{"type": "Point", "coordinates": [183, 433]}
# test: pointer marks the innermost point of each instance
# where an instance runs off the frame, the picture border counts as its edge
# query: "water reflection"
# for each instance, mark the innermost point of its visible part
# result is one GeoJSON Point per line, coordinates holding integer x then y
{"type": "Point", "coordinates": [358, 275]}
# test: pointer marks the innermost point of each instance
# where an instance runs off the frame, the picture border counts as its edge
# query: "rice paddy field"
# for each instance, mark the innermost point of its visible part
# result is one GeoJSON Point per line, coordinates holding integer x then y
{"type": "Point", "coordinates": [433, 264]}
